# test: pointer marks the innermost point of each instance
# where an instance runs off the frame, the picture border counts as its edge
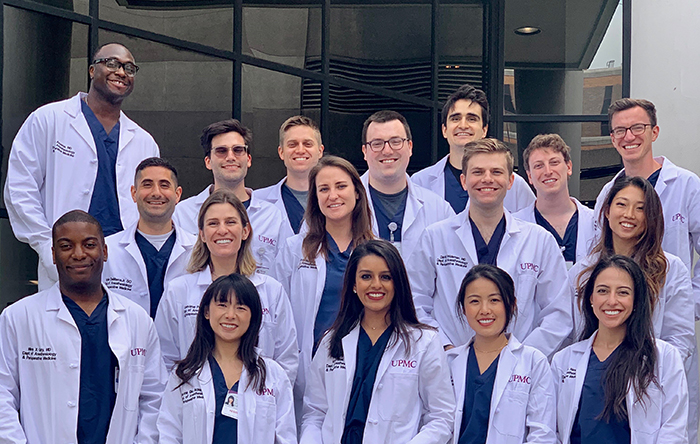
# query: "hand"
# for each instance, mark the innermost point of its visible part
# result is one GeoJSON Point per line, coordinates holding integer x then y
{"type": "Point", "coordinates": [449, 347]}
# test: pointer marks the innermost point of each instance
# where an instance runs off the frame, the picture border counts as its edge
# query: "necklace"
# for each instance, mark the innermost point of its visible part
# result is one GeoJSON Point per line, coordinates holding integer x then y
{"type": "Point", "coordinates": [491, 351]}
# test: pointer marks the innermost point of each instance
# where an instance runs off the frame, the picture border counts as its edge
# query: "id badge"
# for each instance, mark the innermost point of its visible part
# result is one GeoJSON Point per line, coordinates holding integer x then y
{"type": "Point", "coordinates": [230, 407]}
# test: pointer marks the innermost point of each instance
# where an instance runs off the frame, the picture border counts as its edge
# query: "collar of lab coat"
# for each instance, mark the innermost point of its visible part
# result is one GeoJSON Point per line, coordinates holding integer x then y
{"type": "Point", "coordinates": [463, 229]}
{"type": "Point", "coordinates": [438, 169]}
{"type": "Point", "coordinates": [54, 302]}
{"type": "Point", "coordinates": [413, 204]}
{"type": "Point", "coordinates": [127, 127]}
{"type": "Point", "coordinates": [669, 172]}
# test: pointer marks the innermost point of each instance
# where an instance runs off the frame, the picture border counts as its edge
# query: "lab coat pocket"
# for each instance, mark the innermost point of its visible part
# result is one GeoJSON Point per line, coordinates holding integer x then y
{"type": "Point", "coordinates": [646, 414]}
{"type": "Point", "coordinates": [397, 395]}
{"type": "Point", "coordinates": [265, 418]}
{"type": "Point", "coordinates": [266, 340]}
{"type": "Point", "coordinates": [509, 417]}
{"type": "Point", "coordinates": [133, 379]}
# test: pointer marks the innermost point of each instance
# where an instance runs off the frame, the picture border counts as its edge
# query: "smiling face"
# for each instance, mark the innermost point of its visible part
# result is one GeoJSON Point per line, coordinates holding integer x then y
{"type": "Point", "coordinates": [613, 298]}
{"type": "Point", "coordinates": [484, 308]}
{"type": "Point", "coordinates": [156, 194]}
{"type": "Point", "coordinates": [374, 284]}
{"type": "Point", "coordinates": [630, 147]}
{"type": "Point", "coordinates": [626, 216]}
{"type": "Point", "coordinates": [548, 172]}
{"type": "Point", "coordinates": [228, 169]}
{"type": "Point", "coordinates": [464, 124]}
{"type": "Point", "coordinates": [487, 180]}
{"type": "Point", "coordinates": [79, 253]}
{"type": "Point", "coordinates": [112, 86]}
{"type": "Point", "coordinates": [223, 230]}
{"type": "Point", "coordinates": [387, 166]}
{"type": "Point", "coordinates": [300, 149]}
{"type": "Point", "coordinates": [229, 319]}
{"type": "Point", "coordinates": [336, 194]}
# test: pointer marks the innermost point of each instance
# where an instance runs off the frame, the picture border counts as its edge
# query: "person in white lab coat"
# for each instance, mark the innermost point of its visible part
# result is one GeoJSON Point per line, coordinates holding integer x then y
{"type": "Point", "coordinates": [222, 248]}
{"type": "Point", "coordinates": [78, 363]}
{"type": "Point", "coordinates": [379, 374]}
{"type": "Point", "coordinates": [504, 389]}
{"type": "Point", "coordinates": [465, 118]}
{"type": "Point", "coordinates": [487, 233]}
{"type": "Point", "coordinates": [79, 153]}
{"type": "Point", "coordinates": [153, 250]}
{"type": "Point", "coordinates": [311, 264]}
{"type": "Point", "coordinates": [223, 391]}
{"type": "Point", "coordinates": [630, 226]}
{"type": "Point", "coordinates": [401, 209]}
{"type": "Point", "coordinates": [547, 160]}
{"type": "Point", "coordinates": [619, 384]}
{"type": "Point", "coordinates": [226, 146]}
{"type": "Point", "coordinates": [300, 149]}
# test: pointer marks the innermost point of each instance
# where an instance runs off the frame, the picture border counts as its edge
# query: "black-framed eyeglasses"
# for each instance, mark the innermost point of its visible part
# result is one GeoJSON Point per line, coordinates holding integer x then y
{"type": "Point", "coordinates": [222, 152]}
{"type": "Point", "coordinates": [637, 130]}
{"type": "Point", "coordinates": [113, 65]}
{"type": "Point", "coordinates": [395, 143]}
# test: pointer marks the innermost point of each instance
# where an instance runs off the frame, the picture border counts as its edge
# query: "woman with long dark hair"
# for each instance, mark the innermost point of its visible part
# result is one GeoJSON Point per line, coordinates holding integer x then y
{"type": "Point", "coordinates": [222, 248]}
{"type": "Point", "coordinates": [311, 264]}
{"type": "Point", "coordinates": [379, 375]}
{"type": "Point", "coordinates": [504, 389]}
{"type": "Point", "coordinates": [619, 384]}
{"type": "Point", "coordinates": [222, 364]}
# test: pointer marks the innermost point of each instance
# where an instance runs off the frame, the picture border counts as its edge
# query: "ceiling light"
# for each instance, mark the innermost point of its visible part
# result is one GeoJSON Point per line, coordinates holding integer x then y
{"type": "Point", "coordinates": [527, 30]}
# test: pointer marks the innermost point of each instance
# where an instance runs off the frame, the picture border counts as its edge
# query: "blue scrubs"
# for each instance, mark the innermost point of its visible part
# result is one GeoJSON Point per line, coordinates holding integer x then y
{"type": "Point", "coordinates": [225, 428]}
{"type": "Point", "coordinates": [98, 367]}
{"type": "Point", "coordinates": [368, 358]}
{"type": "Point", "coordinates": [389, 209]}
{"type": "Point", "coordinates": [246, 204]}
{"type": "Point", "coordinates": [654, 177]}
{"type": "Point", "coordinates": [487, 254]}
{"type": "Point", "coordinates": [156, 263]}
{"type": "Point", "coordinates": [104, 205]}
{"type": "Point", "coordinates": [568, 244]}
{"type": "Point", "coordinates": [455, 195]}
{"type": "Point", "coordinates": [587, 427]}
{"type": "Point", "coordinates": [330, 298]}
{"type": "Point", "coordinates": [295, 211]}
{"type": "Point", "coordinates": [477, 400]}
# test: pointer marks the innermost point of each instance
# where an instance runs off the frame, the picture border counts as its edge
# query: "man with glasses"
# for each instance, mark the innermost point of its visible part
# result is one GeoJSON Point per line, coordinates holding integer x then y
{"type": "Point", "coordinates": [401, 209]}
{"type": "Point", "coordinates": [226, 146]}
{"type": "Point", "coordinates": [79, 153]}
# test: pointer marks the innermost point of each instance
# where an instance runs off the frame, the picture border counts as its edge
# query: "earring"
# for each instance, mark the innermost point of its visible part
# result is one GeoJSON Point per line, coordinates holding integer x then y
{"type": "Point", "coordinates": [354, 290]}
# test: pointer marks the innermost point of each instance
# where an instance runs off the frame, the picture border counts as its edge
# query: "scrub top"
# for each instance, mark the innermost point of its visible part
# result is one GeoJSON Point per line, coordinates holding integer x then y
{"type": "Point", "coordinates": [568, 244]}
{"type": "Point", "coordinates": [477, 400]}
{"type": "Point", "coordinates": [330, 298]}
{"type": "Point", "coordinates": [156, 263]}
{"type": "Point", "coordinates": [295, 210]}
{"type": "Point", "coordinates": [225, 428]}
{"type": "Point", "coordinates": [455, 195]}
{"type": "Point", "coordinates": [389, 210]}
{"type": "Point", "coordinates": [487, 254]}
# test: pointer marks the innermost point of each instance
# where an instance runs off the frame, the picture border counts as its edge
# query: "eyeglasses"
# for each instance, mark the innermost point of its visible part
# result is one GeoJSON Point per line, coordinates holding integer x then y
{"type": "Point", "coordinates": [239, 151]}
{"type": "Point", "coordinates": [637, 130]}
{"type": "Point", "coordinates": [113, 65]}
{"type": "Point", "coordinates": [395, 143]}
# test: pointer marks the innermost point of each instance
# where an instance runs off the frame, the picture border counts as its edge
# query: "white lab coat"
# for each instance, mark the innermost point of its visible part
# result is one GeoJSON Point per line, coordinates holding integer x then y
{"type": "Point", "coordinates": [585, 236]}
{"type": "Point", "coordinates": [273, 195]}
{"type": "Point", "coordinates": [679, 192]}
{"type": "Point", "coordinates": [423, 207]}
{"type": "Point", "coordinates": [266, 418]}
{"type": "Point", "coordinates": [269, 229]}
{"type": "Point", "coordinates": [52, 169]}
{"type": "Point", "coordinates": [528, 253]}
{"type": "Point", "coordinates": [40, 371]}
{"type": "Point", "coordinates": [412, 399]}
{"type": "Point", "coordinates": [433, 178]}
{"type": "Point", "coordinates": [125, 270]}
{"type": "Point", "coordinates": [523, 402]}
{"type": "Point", "coordinates": [661, 419]}
{"type": "Point", "coordinates": [177, 315]}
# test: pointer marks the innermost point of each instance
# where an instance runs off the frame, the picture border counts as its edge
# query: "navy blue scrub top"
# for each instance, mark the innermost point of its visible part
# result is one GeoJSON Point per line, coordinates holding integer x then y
{"type": "Point", "coordinates": [487, 254]}
{"type": "Point", "coordinates": [455, 195]}
{"type": "Point", "coordinates": [587, 428]}
{"type": "Point", "coordinates": [104, 205]}
{"type": "Point", "coordinates": [225, 428]}
{"type": "Point", "coordinates": [330, 298]}
{"type": "Point", "coordinates": [156, 263]}
{"type": "Point", "coordinates": [477, 400]}
{"type": "Point", "coordinates": [368, 358]}
{"type": "Point", "coordinates": [568, 244]}
{"type": "Point", "coordinates": [295, 211]}
{"type": "Point", "coordinates": [654, 177]}
{"type": "Point", "coordinates": [389, 208]}
{"type": "Point", "coordinates": [98, 367]}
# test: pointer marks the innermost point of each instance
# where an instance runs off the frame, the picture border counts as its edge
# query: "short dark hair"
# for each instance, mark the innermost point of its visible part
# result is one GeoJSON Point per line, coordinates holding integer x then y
{"type": "Point", "coordinates": [383, 117]}
{"type": "Point", "coordinates": [223, 127]}
{"type": "Point", "coordinates": [77, 216]}
{"type": "Point", "coordinates": [626, 103]}
{"type": "Point", "coordinates": [503, 282]}
{"type": "Point", "coordinates": [155, 162]}
{"type": "Point", "coordinates": [467, 92]}
{"type": "Point", "coordinates": [97, 51]}
{"type": "Point", "coordinates": [551, 141]}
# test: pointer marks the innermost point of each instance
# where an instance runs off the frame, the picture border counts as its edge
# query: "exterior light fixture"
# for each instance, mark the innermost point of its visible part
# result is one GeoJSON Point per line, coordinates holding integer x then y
{"type": "Point", "coordinates": [527, 30]}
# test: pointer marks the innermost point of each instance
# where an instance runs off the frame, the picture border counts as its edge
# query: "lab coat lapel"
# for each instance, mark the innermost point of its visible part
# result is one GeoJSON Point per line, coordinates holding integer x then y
{"type": "Point", "coordinates": [464, 232]}
{"type": "Point", "coordinates": [350, 355]}
{"type": "Point", "coordinates": [365, 182]}
{"type": "Point", "coordinates": [507, 254]}
{"type": "Point", "coordinates": [413, 206]}
{"type": "Point", "coordinates": [506, 364]}
{"type": "Point", "coordinates": [126, 130]}
{"type": "Point", "coordinates": [55, 303]}
{"type": "Point", "coordinates": [459, 375]}
{"type": "Point", "coordinates": [205, 426]}
{"type": "Point", "coordinates": [388, 356]}
{"type": "Point", "coordinates": [667, 174]}
{"type": "Point", "coordinates": [128, 242]}
{"type": "Point", "coordinates": [79, 122]}
{"type": "Point", "coordinates": [118, 335]}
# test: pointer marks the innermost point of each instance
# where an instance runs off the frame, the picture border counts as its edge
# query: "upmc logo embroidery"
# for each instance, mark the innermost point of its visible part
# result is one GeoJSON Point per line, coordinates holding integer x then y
{"type": "Point", "coordinates": [403, 363]}
{"type": "Point", "coordinates": [678, 216]}
{"type": "Point", "coordinates": [530, 266]}
{"type": "Point", "coordinates": [138, 352]}
{"type": "Point", "coordinates": [267, 240]}
{"type": "Point", "coordinates": [520, 379]}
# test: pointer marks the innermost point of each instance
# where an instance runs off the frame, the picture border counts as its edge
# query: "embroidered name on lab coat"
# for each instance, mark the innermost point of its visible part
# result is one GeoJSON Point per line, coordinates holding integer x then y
{"type": "Point", "coordinates": [63, 149]}
{"type": "Point", "coordinates": [190, 310]}
{"type": "Point", "coordinates": [306, 264]}
{"type": "Point", "coordinates": [335, 365]}
{"type": "Point", "coordinates": [191, 395]}
{"type": "Point", "coordinates": [570, 374]}
{"type": "Point", "coordinates": [115, 283]}
{"type": "Point", "coordinates": [39, 354]}
{"type": "Point", "coordinates": [447, 260]}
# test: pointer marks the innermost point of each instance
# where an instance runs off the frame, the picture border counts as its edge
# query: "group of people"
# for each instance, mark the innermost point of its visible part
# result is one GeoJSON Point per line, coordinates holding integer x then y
{"type": "Point", "coordinates": [453, 306]}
